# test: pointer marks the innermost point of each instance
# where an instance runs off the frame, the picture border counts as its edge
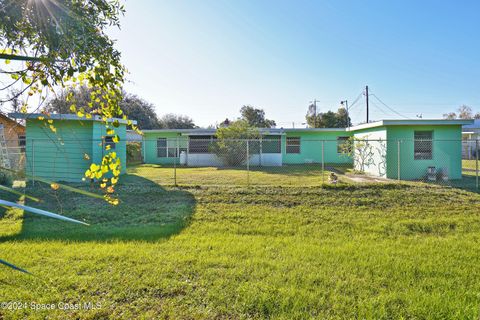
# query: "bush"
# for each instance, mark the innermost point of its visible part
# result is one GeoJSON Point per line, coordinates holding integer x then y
{"type": "Point", "coordinates": [134, 152]}
{"type": "Point", "coordinates": [6, 179]}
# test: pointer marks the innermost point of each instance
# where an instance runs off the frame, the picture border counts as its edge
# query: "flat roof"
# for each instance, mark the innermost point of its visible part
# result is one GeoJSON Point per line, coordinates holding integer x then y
{"type": "Point", "coordinates": [381, 123]}
{"type": "Point", "coordinates": [59, 116]}
{"type": "Point", "coordinates": [413, 122]}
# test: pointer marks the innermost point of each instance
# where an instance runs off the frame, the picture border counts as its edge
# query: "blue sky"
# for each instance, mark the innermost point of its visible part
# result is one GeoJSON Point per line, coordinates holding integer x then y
{"type": "Point", "coordinates": [207, 58]}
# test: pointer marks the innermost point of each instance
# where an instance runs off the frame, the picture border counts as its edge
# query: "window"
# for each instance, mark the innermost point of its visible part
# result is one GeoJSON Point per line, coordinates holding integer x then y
{"type": "Point", "coordinates": [21, 143]}
{"type": "Point", "coordinates": [272, 144]}
{"type": "Point", "coordinates": [162, 147]}
{"type": "Point", "coordinates": [423, 145]}
{"type": "Point", "coordinates": [199, 144]}
{"type": "Point", "coordinates": [293, 144]}
{"type": "Point", "coordinates": [109, 142]}
{"type": "Point", "coordinates": [343, 145]}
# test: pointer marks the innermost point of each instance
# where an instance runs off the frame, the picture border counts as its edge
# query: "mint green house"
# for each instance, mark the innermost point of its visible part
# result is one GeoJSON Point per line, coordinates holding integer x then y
{"type": "Point", "coordinates": [66, 154]}
{"type": "Point", "coordinates": [394, 149]}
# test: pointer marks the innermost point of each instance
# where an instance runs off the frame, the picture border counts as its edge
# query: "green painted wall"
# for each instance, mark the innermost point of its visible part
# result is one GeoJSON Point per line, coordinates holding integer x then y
{"type": "Point", "coordinates": [447, 151]}
{"type": "Point", "coordinates": [149, 146]}
{"type": "Point", "coordinates": [311, 147]}
{"type": "Point", "coordinates": [60, 156]}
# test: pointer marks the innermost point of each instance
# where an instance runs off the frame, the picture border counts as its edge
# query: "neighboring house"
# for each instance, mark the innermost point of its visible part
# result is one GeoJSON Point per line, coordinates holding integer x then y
{"type": "Point", "coordinates": [66, 154]}
{"type": "Point", "coordinates": [470, 134]}
{"type": "Point", "coordinates": [14, 135]}
{"type": "Point", "coordinates": [423, 144]}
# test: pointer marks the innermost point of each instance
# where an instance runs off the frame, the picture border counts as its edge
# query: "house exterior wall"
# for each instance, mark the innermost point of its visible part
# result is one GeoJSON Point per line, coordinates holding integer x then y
{"type": "Point", "coordinates": [61, 156]}
{"type": "Point", "coordinates": [370, 154]}
{"type": "Point", "coordinates": [149, 146]}
{"type": "Point", "coordinates": [311, 147]}
{"type": "Point", "coordinates": [446, 153]}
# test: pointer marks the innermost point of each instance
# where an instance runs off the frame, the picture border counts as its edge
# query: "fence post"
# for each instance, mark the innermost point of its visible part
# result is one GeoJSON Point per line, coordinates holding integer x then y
{"type": "Point", "coordinates": [248, 163]}
{"type": "Point", "coordinates": [476, 162]}
{"type": "Point", "coordinates": [398, 160]}
{"type": "Point", "coordinates": [33, 162]}
{"type": "Point", "coordinates": [323, 162]}
{"type": "Point", "coordinates": [175, 163]}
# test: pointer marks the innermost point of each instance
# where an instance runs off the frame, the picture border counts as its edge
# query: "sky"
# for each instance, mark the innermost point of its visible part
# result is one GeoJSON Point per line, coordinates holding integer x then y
{"type": "Point", "coordinates": [207, 58]}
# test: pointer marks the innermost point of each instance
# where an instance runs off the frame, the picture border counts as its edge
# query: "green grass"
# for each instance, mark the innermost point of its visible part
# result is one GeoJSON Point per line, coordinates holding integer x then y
{"type": "Point", "coordinates": [287, 175]}
{"type": "Point", "coordinates": [347, 251]}
{"type": "Point", "coordinates": [469, 164]}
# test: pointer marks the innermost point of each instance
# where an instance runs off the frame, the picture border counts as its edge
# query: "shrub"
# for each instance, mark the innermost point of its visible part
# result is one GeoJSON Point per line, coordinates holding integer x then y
{"type": "Point", "coordinates": [6, 179]}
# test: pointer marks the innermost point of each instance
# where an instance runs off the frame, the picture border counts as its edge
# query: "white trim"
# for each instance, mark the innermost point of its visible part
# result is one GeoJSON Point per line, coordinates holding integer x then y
{"type": "Point", "coordinates": [57, 116]}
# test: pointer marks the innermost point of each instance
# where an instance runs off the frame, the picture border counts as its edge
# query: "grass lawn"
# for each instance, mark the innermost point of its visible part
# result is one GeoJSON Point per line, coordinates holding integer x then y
{"type": "Point", "coordinates": [469, 164]}
{"type": "Point", "coordinates": [347, 251]}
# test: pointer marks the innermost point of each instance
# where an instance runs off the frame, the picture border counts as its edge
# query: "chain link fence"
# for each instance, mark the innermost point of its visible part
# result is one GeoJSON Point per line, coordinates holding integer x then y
{"type": "Point", "coordinates": [274, 161]}
{"type": "Point", "coordinates": [285, 161]}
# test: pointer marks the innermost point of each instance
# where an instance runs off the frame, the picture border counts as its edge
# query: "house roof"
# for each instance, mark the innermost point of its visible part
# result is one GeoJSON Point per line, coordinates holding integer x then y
{"type": "Point", "coordinates": [381, 123]}
{"type": "Point", "coordinates": [474, 125]}
{"type": "Point", "coordinates": [413, 122]}
{"type": "Point", "coordinates": [5, 117]}
{"type": "Point", "coordinates": [58, 116]}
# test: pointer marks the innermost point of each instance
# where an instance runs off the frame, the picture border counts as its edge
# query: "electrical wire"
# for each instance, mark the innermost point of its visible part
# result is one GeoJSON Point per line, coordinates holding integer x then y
{"type": "Point", "coordinates": [389, 108]}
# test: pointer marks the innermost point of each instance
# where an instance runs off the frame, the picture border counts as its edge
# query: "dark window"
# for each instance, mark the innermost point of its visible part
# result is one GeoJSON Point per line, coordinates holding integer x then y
{"type": "Point", "coordinates": [21, 143]}
{"type": "Point", "coordinates": [423, 145]}
{"type": "Point", "coordinates": [343, 145]}
{"type": "Point", "coordinates": [293, 145]}
{"type": "Point", "coordinates": [271, 144]}
{"type": "Point", "coordinates": [109, 142]}
{"type": "Point", "coordinates": [199, 144]}
{"type": "Point", "coordinates": [162, 147]}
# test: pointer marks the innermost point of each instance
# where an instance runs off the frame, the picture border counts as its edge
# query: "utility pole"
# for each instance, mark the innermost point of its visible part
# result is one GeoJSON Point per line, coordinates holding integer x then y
{"type": "Point", "coordinates": [366, 97]}
{"type": "Point", "coordinates": [345, 102]}
{"type": "Point", "coordinates": [314, 103]}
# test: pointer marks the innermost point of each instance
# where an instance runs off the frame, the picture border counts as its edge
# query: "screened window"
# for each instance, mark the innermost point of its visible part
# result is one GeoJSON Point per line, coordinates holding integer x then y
{"type": "Point", "coordinates": [109, 142]}
{"type": "Point", "coordinates": [423, 145]}
{"type": "Point", "coordinates": [271, 144]}
{"type": "Point", "coordinates": [21, 142]}
{"type": "Point", "coordinates": [162, 147]}
{"type": "Point", "coordinates": [293, 144]}
{"type": "Point", "coordinates": [343, 144]}
{"type": "Point", "coordinates": [199, 144]}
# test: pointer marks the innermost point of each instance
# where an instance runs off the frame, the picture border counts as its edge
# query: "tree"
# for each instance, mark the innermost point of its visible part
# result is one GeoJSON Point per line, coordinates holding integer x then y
{"type": "Point", "coordinates": [255, 117]}
{"type": "Point", "coordinates": [231, 144]}
{"type": "Point", "coordinates": [173, 121]}
{"type": "Point", "coordinates": [138, 109]}
{"type": "Point", "coordinates": [463, 112]}
{"type": "Point", "coordinates": [329, 119]}
{"type": "Point", "coordinates": [61, 104]}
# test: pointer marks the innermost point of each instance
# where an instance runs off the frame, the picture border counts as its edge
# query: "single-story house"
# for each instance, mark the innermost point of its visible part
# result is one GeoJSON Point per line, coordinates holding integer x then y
{"type": "Point", "coordinates": [78, 142]}
{"type": "Point", "coordinates": [471, 133]}
{"type": "Point", "coordinates": [396, 149]}
{"type": "Point", "coordinates": [13, 143]}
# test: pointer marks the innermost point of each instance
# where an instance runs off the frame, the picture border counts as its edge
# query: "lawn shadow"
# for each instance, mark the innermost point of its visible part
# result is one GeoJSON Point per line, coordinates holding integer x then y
{"type": "Point", "coordinates": [147, 212]}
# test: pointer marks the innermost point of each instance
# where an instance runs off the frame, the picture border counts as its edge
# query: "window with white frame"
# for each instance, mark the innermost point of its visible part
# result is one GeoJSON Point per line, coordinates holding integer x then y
{"type": "Point", "coordinates": [293, 145]}
{"type": "Point", "coordinates": [168, 148]}
{"type": "Point", "coordinates": [423, 145]}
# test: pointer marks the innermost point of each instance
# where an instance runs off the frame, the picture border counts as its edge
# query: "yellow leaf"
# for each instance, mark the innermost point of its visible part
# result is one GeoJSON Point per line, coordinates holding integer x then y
{"type": "Point", "coordinates": [54, 186]}
{"type": "Point", "coordinates": [103, 185]}
{"type": "Point", "coordinates": [114, 180]}
{"type": "Point", "coordinates": [98, 174]}
{"type": "Point", "coordinates": [94, 167]}
{"type": "Point", "coordinates": [80, 114]}
{"type": "Point", "coordinates": [86, 156]}
{"type": "Point", "coordinates": [110, 189]}
{"type": "Point", "coordinates": [41, 118]}
{"type": "Point", "coordinates": [88, 173]}
{"type": "Point", "coordinates": [115, 139]}
{"type": "Point", "coordinates": [113, 154]}
{"type": "Point", "coordinates": [53, 128]}
{"type": "Point", "coordinates": [107, 147]}
{"type": "Point", "coordinates": [73, 108]}
{"type": "Point", "coordinates": [88, 116]}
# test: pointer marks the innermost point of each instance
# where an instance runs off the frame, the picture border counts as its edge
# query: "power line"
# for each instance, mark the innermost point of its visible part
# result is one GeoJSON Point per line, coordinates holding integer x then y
{"type": "Point", "coordinates": [390, 108]}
